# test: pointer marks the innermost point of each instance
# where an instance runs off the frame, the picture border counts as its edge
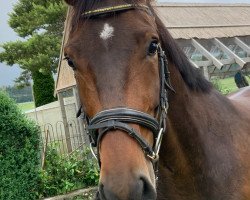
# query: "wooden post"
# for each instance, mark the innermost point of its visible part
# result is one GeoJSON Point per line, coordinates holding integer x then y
{"type": "Point", "coordinates": [80, 121]}
{"type": "Point", "coordinates": [206, 73]}
{"type": "Point", "coordinates": [45, 148]}
{"type": "Point", "coordinates": [65, 122]}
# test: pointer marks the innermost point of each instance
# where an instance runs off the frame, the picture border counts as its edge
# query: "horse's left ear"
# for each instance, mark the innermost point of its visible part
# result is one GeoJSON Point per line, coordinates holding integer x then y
{"type": "Point", "coordinates": [71, 2]}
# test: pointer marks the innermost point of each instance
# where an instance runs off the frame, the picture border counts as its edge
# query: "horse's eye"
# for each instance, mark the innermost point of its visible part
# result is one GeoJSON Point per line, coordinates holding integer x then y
{"type": "Point", "coordinates": [152, 49]}
{"type": "Point", "coordinates": [70, 63]}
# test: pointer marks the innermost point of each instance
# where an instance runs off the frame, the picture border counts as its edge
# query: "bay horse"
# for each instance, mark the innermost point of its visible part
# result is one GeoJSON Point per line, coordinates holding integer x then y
{"type": "Point", "coordinates": [130, 73]}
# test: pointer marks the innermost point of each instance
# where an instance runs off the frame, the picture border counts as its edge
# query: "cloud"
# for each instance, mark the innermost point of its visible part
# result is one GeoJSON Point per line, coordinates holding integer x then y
{"type": "Point", "coordinates": [7, 74]}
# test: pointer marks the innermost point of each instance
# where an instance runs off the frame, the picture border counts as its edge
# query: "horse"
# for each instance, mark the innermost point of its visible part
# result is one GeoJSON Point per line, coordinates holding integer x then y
{"type": "Point", "coordinates": [159, 129]}
{"type": "Point", "coordinates": [242, 92]}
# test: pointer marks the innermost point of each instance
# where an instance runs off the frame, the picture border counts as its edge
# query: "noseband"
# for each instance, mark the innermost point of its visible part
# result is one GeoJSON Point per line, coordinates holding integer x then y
{"type": "Point", "coordinates": [117, 118]}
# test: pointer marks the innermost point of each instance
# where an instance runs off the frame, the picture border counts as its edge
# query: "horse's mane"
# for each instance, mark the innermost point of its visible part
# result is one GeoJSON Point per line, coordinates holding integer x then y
{"type": "Point", "coordinates": [191, 75]}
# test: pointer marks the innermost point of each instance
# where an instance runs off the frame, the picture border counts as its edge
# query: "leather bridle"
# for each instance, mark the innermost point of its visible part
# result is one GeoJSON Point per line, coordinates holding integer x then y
{"type": "Point", "coordinates": [117, 118]}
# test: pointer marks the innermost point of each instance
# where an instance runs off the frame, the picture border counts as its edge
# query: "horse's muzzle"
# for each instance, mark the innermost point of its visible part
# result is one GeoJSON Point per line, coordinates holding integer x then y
{"type": "Point", "coordinates": [141, 189]}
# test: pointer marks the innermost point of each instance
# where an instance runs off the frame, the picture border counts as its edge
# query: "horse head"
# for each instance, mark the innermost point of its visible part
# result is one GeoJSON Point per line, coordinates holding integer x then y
{"type": "Point", "coordinates": [117, 51]}
{"type": "Point", "coordinates": [114, 50]}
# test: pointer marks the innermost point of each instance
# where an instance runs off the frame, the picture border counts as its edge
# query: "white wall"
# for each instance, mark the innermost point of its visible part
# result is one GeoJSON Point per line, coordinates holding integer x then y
{"type": "Point", "coordinates": [49, 117]}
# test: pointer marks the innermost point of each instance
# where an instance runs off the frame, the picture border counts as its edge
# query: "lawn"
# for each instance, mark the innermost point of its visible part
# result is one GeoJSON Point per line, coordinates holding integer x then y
{"type": "Point", "coordinates": [26, 106]}
{"type": "Point", "coordinates": [228, 85]}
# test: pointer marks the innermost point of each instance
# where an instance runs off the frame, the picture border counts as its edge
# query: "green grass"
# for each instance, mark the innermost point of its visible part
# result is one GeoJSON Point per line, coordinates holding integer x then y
{"type": "Point", "coordinates": [26, 106]}
{"type": "Point", "coordinates": [228, 85]}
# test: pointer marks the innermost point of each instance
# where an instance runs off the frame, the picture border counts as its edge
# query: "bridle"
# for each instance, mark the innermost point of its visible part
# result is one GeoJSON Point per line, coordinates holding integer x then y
{"type": "Point", "coordinates": [117, 118]}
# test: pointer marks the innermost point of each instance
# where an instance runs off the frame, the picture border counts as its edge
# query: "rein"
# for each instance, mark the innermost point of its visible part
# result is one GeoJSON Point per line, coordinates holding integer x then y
{"type": "Point", "coordinates": [117, 118]}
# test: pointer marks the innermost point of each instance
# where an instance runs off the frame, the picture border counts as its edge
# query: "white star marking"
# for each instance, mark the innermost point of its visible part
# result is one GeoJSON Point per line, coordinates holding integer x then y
{"type": "Point", "coordinates": [107, 32]}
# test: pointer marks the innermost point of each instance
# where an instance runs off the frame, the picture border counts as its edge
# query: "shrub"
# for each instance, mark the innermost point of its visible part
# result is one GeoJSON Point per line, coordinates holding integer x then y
{"type": "Point", "coordinates": [19, 153]}
{"type": "Point", "coordinates": [64, 173]}
{"type": "Point", "coordinates": [43, 88]}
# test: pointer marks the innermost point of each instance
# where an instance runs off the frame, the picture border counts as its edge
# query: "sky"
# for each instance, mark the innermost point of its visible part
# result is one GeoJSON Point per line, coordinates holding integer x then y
{"type": "Point", "coordinates": [8, 74]}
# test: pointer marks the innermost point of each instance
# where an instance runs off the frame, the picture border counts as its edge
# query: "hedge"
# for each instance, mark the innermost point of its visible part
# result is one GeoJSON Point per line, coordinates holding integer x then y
{"type": "Point", "coordinates": [43, 88]}
{"type": "Point", "coordinates": [19, 153]}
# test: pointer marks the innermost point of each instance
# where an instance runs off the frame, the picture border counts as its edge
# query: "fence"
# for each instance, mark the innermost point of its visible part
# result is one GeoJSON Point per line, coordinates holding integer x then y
{"type": "Point", "coordinates": [67, 134]}
{"type": "Point", "coordinates": [55, 134]}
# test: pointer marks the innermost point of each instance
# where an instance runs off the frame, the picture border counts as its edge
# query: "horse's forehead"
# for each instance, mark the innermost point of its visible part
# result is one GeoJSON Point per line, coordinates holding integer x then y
{"type": "Point", "coordinates": [118, 25]}
{"type": "Point", "coordinates": [110, 38]}
{"type": "Point", "coordinates": [98, 38]}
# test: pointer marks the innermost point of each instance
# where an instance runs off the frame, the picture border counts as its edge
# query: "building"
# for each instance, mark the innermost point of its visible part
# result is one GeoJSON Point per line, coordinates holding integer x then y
{"type": "Point", "coordinates": [215, 37]}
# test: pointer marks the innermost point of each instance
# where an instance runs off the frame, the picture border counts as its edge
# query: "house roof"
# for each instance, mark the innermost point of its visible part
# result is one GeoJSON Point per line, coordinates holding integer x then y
{"type": "Point", "coordinates": [205, 21]}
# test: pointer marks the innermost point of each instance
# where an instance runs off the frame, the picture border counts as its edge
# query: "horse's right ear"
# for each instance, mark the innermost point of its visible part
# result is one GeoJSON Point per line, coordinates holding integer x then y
{"type": "Point", "coordinates": [71, 2]}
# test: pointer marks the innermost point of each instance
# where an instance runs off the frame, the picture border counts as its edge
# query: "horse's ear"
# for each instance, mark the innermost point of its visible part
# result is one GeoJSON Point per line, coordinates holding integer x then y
{"type": "Point", "coordinates": [71, 2]}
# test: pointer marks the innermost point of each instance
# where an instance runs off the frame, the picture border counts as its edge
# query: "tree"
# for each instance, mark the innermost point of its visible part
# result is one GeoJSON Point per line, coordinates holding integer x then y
{"type": "Point", "coordinates": [40, 24]}
{"type": "Point", "coordinates": [23, 80]}
{"type": "Point", "coordinates": [43, 96]}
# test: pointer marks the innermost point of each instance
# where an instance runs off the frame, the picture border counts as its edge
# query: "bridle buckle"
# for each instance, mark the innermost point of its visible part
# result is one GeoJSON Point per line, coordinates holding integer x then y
{"type": "Point", "coordinates": [154, 158]}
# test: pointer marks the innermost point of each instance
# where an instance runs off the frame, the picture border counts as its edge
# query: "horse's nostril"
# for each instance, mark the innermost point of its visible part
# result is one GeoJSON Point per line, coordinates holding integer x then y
{"type": "Point", "coordinates": [105, 193]}
{"type": "Point", "coordinates": [148, 191]}
{"type": "Point", "coordinates": [143, 190]}
{"type": "Point", "coordinates": [100, 193]}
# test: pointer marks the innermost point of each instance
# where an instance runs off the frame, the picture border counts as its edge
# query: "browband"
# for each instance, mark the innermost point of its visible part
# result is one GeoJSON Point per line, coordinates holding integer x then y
{"type": "Point", "coordinates": [114, 9]}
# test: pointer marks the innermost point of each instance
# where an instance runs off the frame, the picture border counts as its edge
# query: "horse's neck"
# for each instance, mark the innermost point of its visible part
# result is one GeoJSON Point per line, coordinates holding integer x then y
{"type": "Point", "coordinates": [197, 146]}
